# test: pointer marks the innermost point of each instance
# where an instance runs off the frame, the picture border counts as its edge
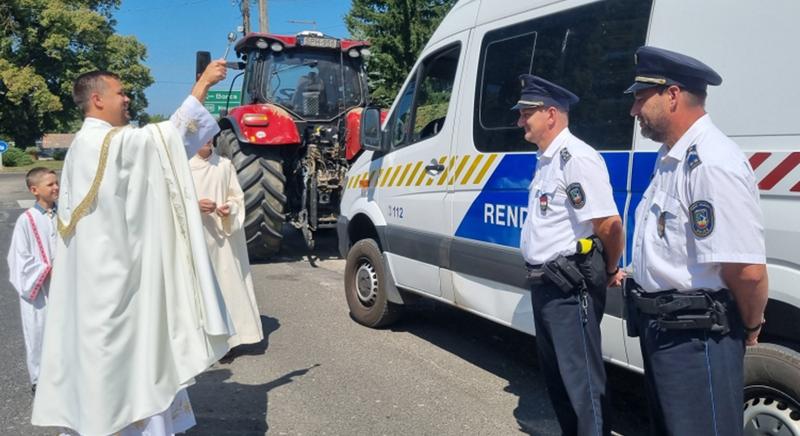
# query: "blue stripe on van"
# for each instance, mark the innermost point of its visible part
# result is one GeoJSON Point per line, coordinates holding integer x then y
{"type": "Point", "coordinates": [497, 214]}
{"type": "Point", "coordinates": [643, 164]}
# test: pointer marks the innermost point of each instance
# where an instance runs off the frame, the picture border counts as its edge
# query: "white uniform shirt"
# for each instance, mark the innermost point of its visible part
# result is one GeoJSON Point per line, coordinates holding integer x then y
{"type": "Point", "coordinates": [701, 209]}
{"type": "Point", "coordinates": [570, 188]}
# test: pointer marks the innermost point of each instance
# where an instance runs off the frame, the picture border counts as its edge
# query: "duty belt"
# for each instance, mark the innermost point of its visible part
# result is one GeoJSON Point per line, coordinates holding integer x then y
{"type": "Point", "coordinates": [685, 310]}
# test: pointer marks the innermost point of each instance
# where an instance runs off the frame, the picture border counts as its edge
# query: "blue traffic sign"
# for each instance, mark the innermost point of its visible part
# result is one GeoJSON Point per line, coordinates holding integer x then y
{"type": "Point", "coordinates": [3, 146]}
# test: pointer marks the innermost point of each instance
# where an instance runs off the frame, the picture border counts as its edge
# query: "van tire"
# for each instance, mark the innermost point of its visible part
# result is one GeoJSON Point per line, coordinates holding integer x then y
{"type": "Point", "coordinates": [364, 287]}
{"type": "Point", "coordinates": [771, 389]}
{"type": "Point", "coordinates": [260, 174]}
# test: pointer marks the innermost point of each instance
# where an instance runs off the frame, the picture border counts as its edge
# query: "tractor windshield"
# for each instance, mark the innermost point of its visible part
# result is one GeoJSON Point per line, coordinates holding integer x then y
{"type": "Point", "coordinates": [313, 84]}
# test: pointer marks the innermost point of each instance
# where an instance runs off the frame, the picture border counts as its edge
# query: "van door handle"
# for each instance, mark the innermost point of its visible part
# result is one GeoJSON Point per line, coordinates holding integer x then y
{"type": "Point", "coordinates": [434, 167]}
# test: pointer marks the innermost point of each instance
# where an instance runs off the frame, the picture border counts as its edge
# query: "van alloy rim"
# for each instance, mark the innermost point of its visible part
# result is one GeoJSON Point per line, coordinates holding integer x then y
{"type": "Point", "coordinates": [770, 412]}
{"type": "Point", "coordinates": [366, 283]}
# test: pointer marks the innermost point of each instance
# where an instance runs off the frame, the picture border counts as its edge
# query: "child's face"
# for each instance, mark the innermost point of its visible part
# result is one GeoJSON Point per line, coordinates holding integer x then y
{"type": "Point", "coordinates": [47, 189]}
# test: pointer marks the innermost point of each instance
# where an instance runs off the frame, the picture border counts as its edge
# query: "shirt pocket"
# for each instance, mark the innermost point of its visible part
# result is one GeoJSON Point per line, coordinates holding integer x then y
{"type": "Point", "coordinates": [670, 232]}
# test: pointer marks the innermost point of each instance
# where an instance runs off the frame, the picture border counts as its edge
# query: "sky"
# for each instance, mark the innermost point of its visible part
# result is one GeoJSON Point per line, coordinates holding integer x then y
{"type": "Point", "coordinates": [173, 30]}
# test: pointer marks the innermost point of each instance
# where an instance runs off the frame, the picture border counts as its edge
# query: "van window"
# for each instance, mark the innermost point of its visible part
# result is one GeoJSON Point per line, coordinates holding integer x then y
{"type": "Point", "coordinates": [422, 108]}
{"type": "Point", "coordinates": [588, 49]}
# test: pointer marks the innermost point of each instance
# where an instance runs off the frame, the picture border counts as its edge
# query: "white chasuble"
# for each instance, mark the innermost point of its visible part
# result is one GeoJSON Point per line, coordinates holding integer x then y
{"type": "Point", "coordinates": [135, 311]}
{"type": "Point", "coordinates": [215, 179]}
{"type": "Point", "coordinates": [29, 265]}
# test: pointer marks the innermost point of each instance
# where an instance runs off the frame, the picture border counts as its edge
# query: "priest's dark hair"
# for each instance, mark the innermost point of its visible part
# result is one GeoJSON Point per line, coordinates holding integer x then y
{"type": "Point", "coordinates": [86, 84]}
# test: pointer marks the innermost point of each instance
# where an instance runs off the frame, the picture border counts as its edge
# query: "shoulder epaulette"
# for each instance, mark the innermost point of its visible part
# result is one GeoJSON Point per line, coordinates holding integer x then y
{"type": "Point", "coordinates": [565, 156]}
{"type": "Point", "coordinates": [692, 158]}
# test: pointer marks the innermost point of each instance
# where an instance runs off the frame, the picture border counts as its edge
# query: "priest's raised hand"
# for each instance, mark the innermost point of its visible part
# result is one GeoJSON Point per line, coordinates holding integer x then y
{"type": "Point", "coordinates": [214, 73]}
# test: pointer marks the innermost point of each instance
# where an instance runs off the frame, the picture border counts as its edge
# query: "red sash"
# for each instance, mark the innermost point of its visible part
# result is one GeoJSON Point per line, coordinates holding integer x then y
{"type": "Point", "coordinates": [42, 277]}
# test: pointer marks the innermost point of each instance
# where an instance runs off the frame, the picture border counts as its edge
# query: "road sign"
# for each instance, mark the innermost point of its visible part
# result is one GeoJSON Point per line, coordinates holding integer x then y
{"type": "Point", "coordinates": [3, 148]}
{"type": "Point", "coordinates": [218, 100]}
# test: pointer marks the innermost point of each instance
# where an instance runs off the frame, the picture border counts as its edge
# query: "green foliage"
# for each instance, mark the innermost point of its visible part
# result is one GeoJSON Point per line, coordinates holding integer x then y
{"type": "Point", "coordinates": [44, 46]}
{"type": "Point", "coordinates": [59, 154]}
{"type": "Point", "coordinates": [398, 31]}
{"type": "Point", "coordinates": [16, 157]}
{"type": "Point", "coordinates": [146, 118]}
{"type": "Point", "coordinates": [32, 151]}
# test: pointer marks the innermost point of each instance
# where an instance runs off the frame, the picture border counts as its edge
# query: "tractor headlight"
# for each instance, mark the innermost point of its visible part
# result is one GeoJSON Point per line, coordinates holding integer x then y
{"type": "Point", "coordinates": [353, 53]}
{"type": "Point", "coordinates": [276, 46]}
{"type": "Point", "coordinates": [261, 43]}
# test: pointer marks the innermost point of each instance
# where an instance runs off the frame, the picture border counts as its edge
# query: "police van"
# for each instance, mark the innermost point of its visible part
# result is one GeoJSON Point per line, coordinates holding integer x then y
{"type": "Point", "coordinates": [435, 203]}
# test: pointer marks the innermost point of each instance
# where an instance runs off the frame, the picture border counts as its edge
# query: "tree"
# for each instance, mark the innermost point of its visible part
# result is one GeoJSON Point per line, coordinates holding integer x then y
{"type": "Point", "coordinates": [398, 31]}
{"type": "Point", "coordinates": [44, 46]}
{"type": "Point", "coordinates": [145, 118]}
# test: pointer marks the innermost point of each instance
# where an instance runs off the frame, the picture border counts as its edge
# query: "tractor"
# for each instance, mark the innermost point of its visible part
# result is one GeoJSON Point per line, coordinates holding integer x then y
{"type": "Point", "coordinates": [296, 130]}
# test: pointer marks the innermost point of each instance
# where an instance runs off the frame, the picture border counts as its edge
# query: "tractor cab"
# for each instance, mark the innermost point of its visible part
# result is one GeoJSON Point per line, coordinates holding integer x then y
{"type": "Point", "coordinates": [312, 76]}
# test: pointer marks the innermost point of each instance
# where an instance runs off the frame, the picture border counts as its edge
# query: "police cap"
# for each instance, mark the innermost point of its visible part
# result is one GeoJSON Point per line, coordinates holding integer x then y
{"type": "Point", "coordinates": [538, 92]}
{"type": "Point", "coordinates": [659, 67]}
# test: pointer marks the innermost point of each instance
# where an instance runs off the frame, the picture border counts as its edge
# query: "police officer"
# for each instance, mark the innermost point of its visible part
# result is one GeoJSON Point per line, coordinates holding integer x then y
{"type": "Point", "coordinates": [570, 198]}
{"type": "Point", "coordinates": [698, 253]}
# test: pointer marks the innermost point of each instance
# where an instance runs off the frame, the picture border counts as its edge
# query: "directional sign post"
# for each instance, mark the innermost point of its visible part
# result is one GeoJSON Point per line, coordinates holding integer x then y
{"type": "Point", "coordinates": [217, 100]}
{"type": "Point", "coordinates": [3, 148]}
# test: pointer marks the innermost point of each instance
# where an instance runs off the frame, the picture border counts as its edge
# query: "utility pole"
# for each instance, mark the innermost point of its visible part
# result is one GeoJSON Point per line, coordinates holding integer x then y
{"type": "Point", "coordinates": [245, 4]}
{"type": "Point", "coordinates": [263, 17]}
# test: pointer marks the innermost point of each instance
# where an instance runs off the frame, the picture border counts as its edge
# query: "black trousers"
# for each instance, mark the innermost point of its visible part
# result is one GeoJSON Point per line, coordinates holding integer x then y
{"type": "Point", "coordinates": [571, 358]}
{"type": "Point", "coordinates": [695, 378]}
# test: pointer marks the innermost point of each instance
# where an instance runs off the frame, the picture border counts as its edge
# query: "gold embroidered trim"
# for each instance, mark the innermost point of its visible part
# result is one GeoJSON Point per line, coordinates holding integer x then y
{"type": "Point", "coordinates": [179, 208]}
{"type": "Point", "coordinates": [83, 207]}
{"type": "Point", "coordinates": [645, 79]}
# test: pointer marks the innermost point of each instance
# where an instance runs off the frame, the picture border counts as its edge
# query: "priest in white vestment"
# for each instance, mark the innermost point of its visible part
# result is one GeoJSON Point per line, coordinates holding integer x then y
{"type": "Point", "coordinates": [30, 261]}
{"type": "Point", "coordinates": [135, 311]}
{"type": "Point", "coordinates": [222, 211]}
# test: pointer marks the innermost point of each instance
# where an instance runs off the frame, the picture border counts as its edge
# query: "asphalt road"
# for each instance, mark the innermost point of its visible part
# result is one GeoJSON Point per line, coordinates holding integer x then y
{"type": "Point", "coordinates": [437, 371]}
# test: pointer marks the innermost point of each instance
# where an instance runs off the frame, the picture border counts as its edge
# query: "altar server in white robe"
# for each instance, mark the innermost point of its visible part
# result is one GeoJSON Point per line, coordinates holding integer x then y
{"type": "Point", "coordinates": [222, 210]}
{"type": "Point", "coordinates": [135, 309]}
{"type": "Point", "coordinates": [30, 260]}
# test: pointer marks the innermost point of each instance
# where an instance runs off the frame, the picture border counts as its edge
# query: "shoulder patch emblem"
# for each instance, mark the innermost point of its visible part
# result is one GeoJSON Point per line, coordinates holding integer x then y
{"type": "Point", "coordinates": [692, 158]}
{"type": "Point", "coordinates": [702, 215]}
{"type": "Point", "coordinates": [576, 195]}
{"type": "Point", "coordinates": [565, 156]}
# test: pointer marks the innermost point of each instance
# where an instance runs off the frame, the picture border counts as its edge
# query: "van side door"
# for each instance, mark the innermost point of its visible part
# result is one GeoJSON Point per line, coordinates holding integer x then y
{"type": "Point", "coordinates": [411, 181]}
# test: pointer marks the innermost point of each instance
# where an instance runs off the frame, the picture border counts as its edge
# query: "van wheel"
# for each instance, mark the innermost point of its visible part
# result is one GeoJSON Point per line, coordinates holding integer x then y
{"type": "Point", "coordinates": [364, 276]}
{"type": "Point", "coordinates": [772, 391]}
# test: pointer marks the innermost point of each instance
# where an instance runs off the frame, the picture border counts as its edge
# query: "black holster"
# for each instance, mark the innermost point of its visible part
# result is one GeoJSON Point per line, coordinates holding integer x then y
{"type": "Point", "coordinates": [630, 312]}
{"type": "Point", "coordinates": [579, 271]}
{"type": "Point", "coordinates": [564, 273]}
{"type": "Point", "coordinates": [593, 265]}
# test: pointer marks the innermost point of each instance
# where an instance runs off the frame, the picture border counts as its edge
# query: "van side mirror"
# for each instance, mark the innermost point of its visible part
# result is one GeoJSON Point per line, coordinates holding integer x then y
{"type": "Point", "coordinates": [202, 59]}
{"type": "Point", "coordinates": [371, 129]}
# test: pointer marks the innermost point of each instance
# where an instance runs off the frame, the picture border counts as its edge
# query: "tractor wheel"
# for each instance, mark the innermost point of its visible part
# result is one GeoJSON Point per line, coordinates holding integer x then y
{"type": "Point", "coordinates": [260, 174]}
